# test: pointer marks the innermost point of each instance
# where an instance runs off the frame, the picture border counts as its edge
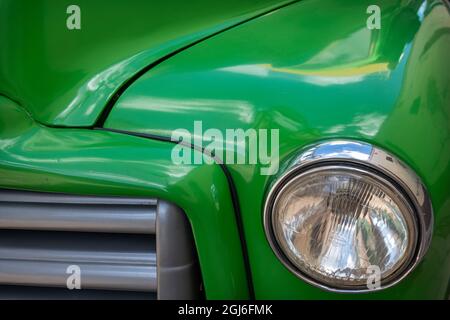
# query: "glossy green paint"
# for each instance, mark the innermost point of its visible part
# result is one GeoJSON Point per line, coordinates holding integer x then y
{"type": "Point", "coordinates": [314, 71]}
{"type": "Point", "coordinates": [65, 77]}
{"type": "Point", "coordinates": [81, 161]}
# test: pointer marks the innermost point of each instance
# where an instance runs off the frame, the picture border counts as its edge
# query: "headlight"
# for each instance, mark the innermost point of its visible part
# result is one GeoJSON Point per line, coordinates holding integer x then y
{"type": "Point", "coordinates": [344, 208]}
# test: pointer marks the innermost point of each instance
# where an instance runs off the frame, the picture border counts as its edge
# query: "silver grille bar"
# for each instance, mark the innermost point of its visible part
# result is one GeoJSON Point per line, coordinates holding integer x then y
{"type": "Point", "coordinates": [106, 261]}
{"type": "Point", "coordinates": [32, 212]}
{"type": "Point", "coordinates": [93, 276]}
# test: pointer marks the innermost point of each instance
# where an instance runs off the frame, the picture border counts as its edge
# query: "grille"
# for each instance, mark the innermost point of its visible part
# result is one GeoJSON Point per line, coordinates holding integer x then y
{"type": "Point", "coordinates": [112, 247]}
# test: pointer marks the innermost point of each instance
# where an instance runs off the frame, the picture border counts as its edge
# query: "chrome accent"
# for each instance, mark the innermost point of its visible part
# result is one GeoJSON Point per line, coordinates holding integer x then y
{"type": "Point", "coordinates": [354, 154]}
{"type": "Point", "coordinates": [60, 212]}
{"type": "Point", "coordinates": [106, 261]}
{"type": "Point", "coordinates": [46, 197]}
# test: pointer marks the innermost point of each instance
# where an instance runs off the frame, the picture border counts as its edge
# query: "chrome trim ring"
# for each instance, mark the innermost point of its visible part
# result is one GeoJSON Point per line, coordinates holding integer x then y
{"type": "Point", "coordinates": [358, 156]}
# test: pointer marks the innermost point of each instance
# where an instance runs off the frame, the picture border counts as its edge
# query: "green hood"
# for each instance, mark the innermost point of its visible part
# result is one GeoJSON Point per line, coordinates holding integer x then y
{"type": "Point", "coordinates": [301, 69]}
{"type": "Point", "coordinates": [65, 77]}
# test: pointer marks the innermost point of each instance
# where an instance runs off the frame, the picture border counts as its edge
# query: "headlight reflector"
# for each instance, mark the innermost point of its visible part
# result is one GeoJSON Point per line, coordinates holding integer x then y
{"type": "Point", "coordinates": [334, 223]}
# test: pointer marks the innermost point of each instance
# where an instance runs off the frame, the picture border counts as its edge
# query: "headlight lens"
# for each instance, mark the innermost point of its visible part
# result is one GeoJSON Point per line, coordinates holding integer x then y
{"type": "Point", "coordinates": [342, 210]}
{"type": "Point", "coordinates": [334, 223]}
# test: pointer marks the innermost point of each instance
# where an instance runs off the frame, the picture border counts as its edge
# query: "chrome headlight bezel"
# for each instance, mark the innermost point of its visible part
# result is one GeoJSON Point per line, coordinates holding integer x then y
{"type": "Point", "coordinates": [367, 159]}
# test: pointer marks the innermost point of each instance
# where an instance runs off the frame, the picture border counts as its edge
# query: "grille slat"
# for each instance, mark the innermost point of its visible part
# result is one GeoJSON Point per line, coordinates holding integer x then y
{"type": "Point", "coordinates": [45, 197]}
{"type": "Point", "coordinates": [118, 218]}
{"type": "Point", "coordinates": [94, 276]}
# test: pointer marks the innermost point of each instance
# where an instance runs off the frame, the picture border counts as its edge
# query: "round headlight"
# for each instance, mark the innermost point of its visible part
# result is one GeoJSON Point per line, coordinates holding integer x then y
{"type": "Point", "coordinates": [340, 211]}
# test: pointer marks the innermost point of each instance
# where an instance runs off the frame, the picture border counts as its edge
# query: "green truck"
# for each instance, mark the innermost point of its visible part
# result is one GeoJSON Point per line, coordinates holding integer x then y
{"type": "Point", "coordinates": [240, 149]}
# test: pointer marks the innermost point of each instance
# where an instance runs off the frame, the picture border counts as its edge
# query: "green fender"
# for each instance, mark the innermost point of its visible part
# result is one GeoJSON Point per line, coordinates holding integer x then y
{"type": "Point", "coordinates": [94, 162]}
